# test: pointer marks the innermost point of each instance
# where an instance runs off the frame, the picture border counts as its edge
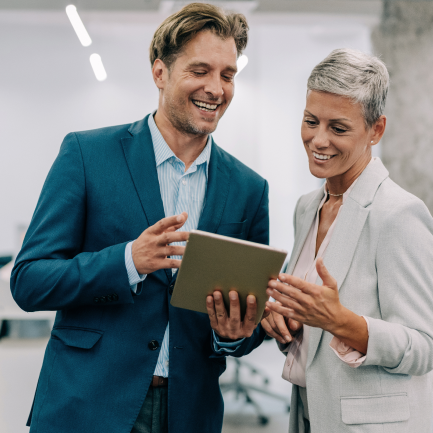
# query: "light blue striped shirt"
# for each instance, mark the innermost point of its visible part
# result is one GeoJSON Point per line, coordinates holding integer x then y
{"type": "Point", "coordinates": [180, 192]}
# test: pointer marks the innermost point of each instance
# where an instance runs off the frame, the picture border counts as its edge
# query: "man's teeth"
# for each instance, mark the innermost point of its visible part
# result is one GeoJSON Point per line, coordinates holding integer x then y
{"type": "Point", "coordinates": [205, 107]}
{"type": "Point", "coordinates": [319, 156]}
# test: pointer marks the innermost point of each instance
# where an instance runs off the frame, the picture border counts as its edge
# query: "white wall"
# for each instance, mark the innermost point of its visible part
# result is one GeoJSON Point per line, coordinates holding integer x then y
{"type": "Point", "coordinates": [48, 89]}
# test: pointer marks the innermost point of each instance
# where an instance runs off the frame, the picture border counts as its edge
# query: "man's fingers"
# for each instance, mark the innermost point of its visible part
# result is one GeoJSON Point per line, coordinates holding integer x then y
{"type": "Point", "coordinates": [235, 310]}
{"type": "Point", "coordinates": [220, 308]}
{"type": "Point", "coordinates": [162, 225]}
{"type": "Point", "coordinates": [171, 237]}
{"type": "Point", "coordinates": [173, 250]}
{"type": "Point", "coordinates": [170, 264]}
{"type": "Point", "coordinates": [250, 315]}
{"type": "Point", "coordinates": [211, 312]}
{"type": "Point", "coordinates": [173, 228]}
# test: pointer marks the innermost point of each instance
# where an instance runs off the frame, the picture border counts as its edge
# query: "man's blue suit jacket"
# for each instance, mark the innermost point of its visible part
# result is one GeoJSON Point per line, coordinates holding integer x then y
{"type": "Point", "coordinates": [102, 192]}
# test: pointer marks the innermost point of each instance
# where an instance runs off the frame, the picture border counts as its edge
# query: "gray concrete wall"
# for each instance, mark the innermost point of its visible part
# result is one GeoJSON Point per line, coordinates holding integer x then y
{"type": "Point", "coordinates": [404, 42]}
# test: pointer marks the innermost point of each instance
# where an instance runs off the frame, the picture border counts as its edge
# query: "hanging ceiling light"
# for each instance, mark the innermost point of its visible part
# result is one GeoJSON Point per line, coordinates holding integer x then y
{"type": "Point", "coordinates": [241, 63]}
{"type": "Point", "coordinates": [78, 25]}
{"type": "Point", "coordinates": [98, 67]}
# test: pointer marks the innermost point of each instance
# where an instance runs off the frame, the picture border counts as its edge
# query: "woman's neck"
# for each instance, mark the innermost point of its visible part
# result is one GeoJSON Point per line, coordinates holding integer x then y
{"type": "Point", "coordinates": [341, 183]}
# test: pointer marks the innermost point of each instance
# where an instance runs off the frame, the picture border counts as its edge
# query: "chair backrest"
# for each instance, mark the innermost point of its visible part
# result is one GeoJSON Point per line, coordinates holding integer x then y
{"type": "Point", "coordinates": [4, 260]}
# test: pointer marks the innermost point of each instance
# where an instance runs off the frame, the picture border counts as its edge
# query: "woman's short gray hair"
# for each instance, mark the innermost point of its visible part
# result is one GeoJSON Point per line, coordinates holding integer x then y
{"type": "Point", "coordinates": [356, 75]}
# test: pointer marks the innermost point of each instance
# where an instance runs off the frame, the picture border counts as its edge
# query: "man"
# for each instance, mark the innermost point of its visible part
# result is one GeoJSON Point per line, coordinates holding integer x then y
{"type": "Point", "coordinates": [108, 234]}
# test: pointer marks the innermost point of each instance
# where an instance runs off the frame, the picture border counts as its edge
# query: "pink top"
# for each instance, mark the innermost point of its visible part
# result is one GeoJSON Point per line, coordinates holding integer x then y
{"type": "Point", "coordinates": [297, 350]}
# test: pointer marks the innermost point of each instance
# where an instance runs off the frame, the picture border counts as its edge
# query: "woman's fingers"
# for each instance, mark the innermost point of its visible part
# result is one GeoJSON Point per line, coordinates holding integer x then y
{"type": "Point", "coordinates": [327, 278]}
{"type": "Point", "coordinates": [287, 291]}
{"type": "Point", "coordinates": [282, 327]}
{"type": "Point", "coordinates": [286, 301]}
{"type": "Point", "coordinates": [271, 329]}
{"type": "Point", "coordinates": [284, 311]}
{"type": "Point", "coordinates": [302, 285]}
{"type": "Point", "coordinates": [294, 326]}
{"type": "Point", "coordinates": [265, 313]}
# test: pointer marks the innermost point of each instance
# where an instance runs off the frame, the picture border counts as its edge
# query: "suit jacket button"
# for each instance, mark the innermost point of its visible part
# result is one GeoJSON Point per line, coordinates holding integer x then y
{"type": "Point", "coordinates": [95, 300]}
{"type": "Point", "coordinates": [153, 345]}
{"type": "Point", "coordinates": [170, 289]}
{"type": "Point", "coordinates": [103, 299]}
{"type": "Point", "coordinates": [115, 297]}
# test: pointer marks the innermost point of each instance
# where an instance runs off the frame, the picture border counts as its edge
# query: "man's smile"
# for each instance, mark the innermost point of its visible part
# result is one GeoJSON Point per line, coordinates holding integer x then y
{"type": "Point", "coordinates": [204, 106]}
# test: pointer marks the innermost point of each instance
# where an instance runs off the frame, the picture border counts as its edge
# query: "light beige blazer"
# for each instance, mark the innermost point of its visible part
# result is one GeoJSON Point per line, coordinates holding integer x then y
{"type": "Point", "coordinates": [381, 254]}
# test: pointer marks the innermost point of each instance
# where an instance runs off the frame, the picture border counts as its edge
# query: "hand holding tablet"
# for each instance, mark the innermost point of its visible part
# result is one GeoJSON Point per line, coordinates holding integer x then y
{"type": "Point", "coordinates": [218, 263]}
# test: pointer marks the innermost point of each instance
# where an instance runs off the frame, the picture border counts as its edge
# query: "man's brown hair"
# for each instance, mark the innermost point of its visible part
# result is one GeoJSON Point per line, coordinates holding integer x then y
{"type": "Point", "coordinates": [181, 27]}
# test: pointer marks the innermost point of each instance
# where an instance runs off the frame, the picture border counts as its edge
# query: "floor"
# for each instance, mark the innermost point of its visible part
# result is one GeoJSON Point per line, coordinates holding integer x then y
{"type": "Point", "coordinates": [21, 360]}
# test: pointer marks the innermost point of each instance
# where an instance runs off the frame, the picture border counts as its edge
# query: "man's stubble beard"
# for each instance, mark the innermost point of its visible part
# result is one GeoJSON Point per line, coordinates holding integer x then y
{"type": "Point", "coordinates": [183, 120]}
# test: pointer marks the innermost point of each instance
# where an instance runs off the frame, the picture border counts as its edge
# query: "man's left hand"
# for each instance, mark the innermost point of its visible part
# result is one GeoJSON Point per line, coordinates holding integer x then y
{"type": "Point", "coordinates": [230, 326]}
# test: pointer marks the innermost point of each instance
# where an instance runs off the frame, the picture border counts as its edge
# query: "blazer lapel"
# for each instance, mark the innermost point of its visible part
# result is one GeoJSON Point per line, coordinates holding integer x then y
{"type": "Point", "coordinates": [306, 220]}
{"type": "Point", "coordinates": [351, 221]}
{"type": "Point", "coordinates": [218, 185]}
{"type": "Point", "coordinates": [140, 158]}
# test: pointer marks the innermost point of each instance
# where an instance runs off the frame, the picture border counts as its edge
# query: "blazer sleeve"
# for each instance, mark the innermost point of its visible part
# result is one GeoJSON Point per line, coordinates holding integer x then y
{"type": "Point", "coordinates": [51, 271]}
{"type": "Point", "coordinates": [402, 341]}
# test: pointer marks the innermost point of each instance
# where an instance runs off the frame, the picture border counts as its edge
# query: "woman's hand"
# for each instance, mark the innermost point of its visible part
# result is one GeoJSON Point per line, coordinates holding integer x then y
{"type": "Point", "coordinates": [308, 303]}
{"type": "Point", "coordinates": [318, 306]}
{"type": "Point", "coordinates": [278, 327]}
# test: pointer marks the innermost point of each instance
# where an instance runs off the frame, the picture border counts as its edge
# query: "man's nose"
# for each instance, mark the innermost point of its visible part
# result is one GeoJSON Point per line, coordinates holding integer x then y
{"type": "Point", "coordinates": [214, 86]}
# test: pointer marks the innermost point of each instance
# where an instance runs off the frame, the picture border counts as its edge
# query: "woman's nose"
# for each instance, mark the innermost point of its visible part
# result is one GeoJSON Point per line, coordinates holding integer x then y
{"type": "Point", "coordinates": [320, 140]}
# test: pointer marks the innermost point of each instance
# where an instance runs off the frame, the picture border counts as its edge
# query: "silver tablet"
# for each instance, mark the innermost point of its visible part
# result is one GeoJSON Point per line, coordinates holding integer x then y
{"type": "Point", "coordinates": [214, 262]}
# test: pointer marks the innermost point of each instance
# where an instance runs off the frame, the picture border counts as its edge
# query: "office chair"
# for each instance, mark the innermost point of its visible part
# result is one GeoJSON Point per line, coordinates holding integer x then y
{"type": "Point", "coordinates": [243, 389]}
{"type": "Point", "coordinates": [4, 260]}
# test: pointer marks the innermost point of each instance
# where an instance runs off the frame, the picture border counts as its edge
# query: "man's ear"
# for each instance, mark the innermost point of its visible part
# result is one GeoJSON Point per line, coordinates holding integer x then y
{"type": "Point", "coordinates": [159, 73]}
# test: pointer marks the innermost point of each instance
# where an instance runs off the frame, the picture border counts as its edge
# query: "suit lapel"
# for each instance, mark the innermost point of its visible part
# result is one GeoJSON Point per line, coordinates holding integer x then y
{"type": "Point", "coordinates": [341, 249]}
{"type": "Point", "coordinates": [140, 158]}
{"type": "Point", "coordinates": [305, 221]}
{"type": "Point", "coordinates": [218, 186]}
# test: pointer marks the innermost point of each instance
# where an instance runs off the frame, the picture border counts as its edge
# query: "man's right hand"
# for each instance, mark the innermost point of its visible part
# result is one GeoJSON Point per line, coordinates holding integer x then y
{"type": "Point", "coordinates": [151, 250]}
{"type": "Point", "coordinates": [278, 327]}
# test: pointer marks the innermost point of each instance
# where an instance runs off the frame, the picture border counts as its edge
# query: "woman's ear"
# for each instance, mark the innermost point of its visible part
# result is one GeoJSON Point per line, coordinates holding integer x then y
{"type": "Point", "coordinates": [378, 129]}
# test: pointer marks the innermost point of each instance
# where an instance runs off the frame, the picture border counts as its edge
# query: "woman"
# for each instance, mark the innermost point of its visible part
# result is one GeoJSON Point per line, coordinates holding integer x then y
{"type": "Point", "coordinates": [360, 278]}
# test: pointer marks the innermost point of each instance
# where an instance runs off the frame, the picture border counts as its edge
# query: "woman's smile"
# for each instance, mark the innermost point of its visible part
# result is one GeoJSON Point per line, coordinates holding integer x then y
{"type": "Point", "coordinates": [322, 158]}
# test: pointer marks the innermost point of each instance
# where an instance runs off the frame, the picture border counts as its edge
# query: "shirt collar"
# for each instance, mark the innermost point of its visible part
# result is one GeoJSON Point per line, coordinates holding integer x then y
{"type": "Point", "coordinates": [162, 149]}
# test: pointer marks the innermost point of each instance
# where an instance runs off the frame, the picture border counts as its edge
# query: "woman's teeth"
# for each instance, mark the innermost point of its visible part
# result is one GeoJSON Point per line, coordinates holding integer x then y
{"type": "Point", "coordinates": [205, 107]}
{"type": "Point", "coordinates": [319, 156]}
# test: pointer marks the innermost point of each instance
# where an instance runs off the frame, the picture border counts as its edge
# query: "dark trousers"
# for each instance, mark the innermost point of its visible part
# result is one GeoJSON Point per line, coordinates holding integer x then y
{"type": "Point", "coordinates": [153, 414]}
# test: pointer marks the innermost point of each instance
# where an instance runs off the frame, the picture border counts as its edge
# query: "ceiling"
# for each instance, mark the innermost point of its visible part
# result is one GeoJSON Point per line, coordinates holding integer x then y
{"type": "Point", "coordinates": [369, 7]}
